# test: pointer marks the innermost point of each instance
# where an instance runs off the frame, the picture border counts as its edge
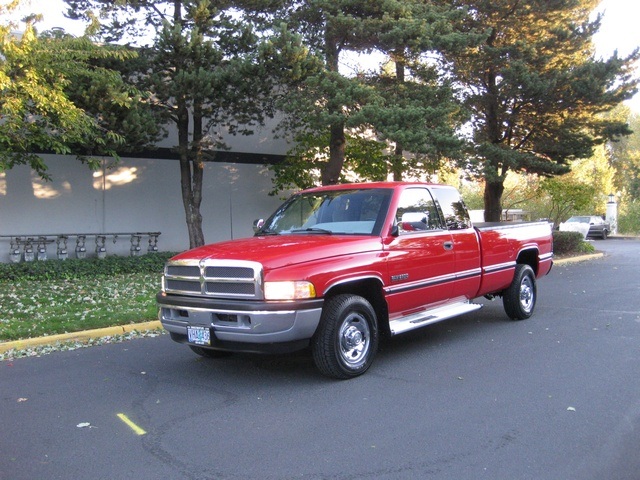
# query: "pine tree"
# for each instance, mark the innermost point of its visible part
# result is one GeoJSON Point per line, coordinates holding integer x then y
{"type": "Point", "coordinates": [411, 105]}
{"type": "Point", "coordinates": [535, 89]}
{"type": "Point", "coordinates": [323, 103]}
{"type": "Point", "coordinates": [202, 63]}
{"type": "Point", "coordinates": [418, 111]}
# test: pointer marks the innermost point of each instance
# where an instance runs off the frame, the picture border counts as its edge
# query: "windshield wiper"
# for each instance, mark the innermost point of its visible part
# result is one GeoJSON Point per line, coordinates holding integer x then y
{"type": "Point", "coordinates": [266, 232]}
{"type": "Point", "coordinates": [312, 230]}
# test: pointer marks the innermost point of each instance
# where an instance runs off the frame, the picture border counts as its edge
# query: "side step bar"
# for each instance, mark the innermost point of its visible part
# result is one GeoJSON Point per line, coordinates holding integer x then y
{"type": "Point", "coordinates": [427, 317]}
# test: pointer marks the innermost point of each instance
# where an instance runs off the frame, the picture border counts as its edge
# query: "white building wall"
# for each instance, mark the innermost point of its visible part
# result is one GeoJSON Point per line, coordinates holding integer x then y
{"type": "Point", "coordinates": [137, 195]}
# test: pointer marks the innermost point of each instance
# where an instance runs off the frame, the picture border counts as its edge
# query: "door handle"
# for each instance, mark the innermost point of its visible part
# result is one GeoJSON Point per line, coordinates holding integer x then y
{"type": "Point", "coordinates": [448, 245]}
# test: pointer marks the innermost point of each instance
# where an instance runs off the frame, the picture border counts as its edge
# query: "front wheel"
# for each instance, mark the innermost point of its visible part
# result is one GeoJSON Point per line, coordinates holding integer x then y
{"type": "Point", "coordinates": [520, 298]}
{"type": "Point", "coordinates": [347, 338]}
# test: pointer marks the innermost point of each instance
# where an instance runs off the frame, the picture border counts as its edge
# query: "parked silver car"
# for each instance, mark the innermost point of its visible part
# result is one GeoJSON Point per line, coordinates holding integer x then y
{"type": "Point", "coordinates": [598, 226]}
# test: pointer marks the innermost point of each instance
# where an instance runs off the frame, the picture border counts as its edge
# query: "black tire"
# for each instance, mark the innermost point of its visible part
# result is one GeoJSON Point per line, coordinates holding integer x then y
{"type": "Point", "coordinates": [208, 352]}
{"type": "Point", "coordinates": [346, 341]}
{"type": "Point", "coordinates": [519, 299]}
{"type": "Point", "coordinates": [604, 234]}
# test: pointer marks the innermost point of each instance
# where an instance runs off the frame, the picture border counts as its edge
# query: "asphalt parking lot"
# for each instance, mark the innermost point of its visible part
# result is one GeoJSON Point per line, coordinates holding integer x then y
{"type": "Point", "coordinates": [553, 397]}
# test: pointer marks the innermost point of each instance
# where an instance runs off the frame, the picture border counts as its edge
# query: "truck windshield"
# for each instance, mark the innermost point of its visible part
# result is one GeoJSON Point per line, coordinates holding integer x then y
{"type": "Point", "coordinates": [349, 212]}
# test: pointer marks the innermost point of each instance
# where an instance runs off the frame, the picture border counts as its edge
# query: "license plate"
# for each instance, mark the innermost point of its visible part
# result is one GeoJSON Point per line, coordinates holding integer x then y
{"type": "Point", "coordinates": [199, 335]}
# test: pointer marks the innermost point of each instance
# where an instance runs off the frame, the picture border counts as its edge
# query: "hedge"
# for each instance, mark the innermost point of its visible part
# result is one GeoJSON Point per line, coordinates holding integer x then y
{"type": "Point", "coordinates": [84, 268]}
{"type": "Point", "coordinates": [570, 243]}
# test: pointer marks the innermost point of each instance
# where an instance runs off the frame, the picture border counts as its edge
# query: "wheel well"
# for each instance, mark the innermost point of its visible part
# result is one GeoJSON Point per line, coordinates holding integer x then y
{"type": "Point", "coordinates": [371, 290]}
{"type": "Point", "coordinates": [529, 257]}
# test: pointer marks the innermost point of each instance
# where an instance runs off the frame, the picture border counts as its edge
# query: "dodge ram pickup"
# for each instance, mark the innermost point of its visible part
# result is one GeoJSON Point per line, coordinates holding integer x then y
{"type": "Point", "coordinates": [336, 267]}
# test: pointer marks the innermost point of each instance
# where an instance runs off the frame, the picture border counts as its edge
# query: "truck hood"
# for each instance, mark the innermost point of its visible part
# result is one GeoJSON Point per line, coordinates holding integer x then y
{"type": "Point", "coordinates": [283, 250]}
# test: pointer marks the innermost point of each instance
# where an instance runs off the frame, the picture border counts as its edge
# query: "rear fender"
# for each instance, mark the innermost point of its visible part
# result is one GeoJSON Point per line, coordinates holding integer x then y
{"type": "Point", "coordinates": [529, 256]}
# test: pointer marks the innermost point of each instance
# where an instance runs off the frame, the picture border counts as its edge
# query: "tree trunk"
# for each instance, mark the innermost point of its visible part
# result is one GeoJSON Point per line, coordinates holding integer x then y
{"type": "Point", "coordinates": [397, 165]}
{"type": "Point", "coordinates": [191, 174]}
{"type": "Point", "coordinates": [196, 237]}
{"type": "Point", "coordinates": [494, 182]}
{"type": "Point", "coordinates": [330, 174]}
{"type": "Point", "coordinates": [191, 166]}
{"type": "Point", "coordinates": [493, 191]}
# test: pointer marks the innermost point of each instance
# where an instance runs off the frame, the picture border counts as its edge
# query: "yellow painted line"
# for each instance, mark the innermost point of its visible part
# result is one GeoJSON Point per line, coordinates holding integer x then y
{"type": "Point", "coordinates": [131, 425]}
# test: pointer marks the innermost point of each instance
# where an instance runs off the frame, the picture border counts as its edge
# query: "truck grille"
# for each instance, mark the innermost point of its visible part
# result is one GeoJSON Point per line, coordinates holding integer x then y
{"type": "Point", "coordinates": [214, 278]}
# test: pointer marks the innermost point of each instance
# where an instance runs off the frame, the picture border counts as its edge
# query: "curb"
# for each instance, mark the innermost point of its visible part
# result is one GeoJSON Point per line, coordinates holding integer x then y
{"type": "Point", "coordinates": [78, 336]}
{"type": "Point", "coordinates": [581, 258]}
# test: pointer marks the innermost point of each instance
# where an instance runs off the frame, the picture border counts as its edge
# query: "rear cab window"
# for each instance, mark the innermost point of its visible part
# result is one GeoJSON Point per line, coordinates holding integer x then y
{"type": "Point", "coordinates": [456, 215]}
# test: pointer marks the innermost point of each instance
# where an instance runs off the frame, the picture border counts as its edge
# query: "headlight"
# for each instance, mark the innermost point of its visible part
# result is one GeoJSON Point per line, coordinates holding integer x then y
{"type": "Point", "coordinates": [288, 290]}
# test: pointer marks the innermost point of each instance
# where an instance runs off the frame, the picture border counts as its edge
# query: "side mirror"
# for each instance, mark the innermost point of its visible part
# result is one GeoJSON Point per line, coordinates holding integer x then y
{"type": "Point", "coordinates": [258, 224]}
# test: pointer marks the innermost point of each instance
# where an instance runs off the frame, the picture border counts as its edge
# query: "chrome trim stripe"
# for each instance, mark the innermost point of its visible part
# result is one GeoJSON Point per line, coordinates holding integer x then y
{"type": "Point", "coordinates": [228, 312]}
{"type": "Point", "coordinates": [421, 283]}
{"type": "Point", "coordinates": [474, 272]}
{"type": "Point", "coordinates": [499, 266]}
{"type": "Point", "coordinates": [429, 282]}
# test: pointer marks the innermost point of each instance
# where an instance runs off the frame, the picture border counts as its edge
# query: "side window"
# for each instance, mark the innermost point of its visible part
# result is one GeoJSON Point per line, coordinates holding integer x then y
{"type": "Point", "coordinates": [456, 216]}
{"type": "Point", "coordinates": [417, 212]}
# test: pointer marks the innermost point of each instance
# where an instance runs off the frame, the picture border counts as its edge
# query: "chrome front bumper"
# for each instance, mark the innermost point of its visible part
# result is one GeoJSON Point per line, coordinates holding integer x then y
{"type": "Point", "coordinates": [241, 322]}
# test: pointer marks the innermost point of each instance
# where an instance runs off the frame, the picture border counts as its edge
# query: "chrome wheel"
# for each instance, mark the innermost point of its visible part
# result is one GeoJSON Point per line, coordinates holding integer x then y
{"type": "Point", "coordinates": [520, 298]}
{"type": "Point", "coordinates": [354, 338]}
{"type": "Point", "coordinates": [346, 340]}
{"type": "Point", "coordinates": [526, 294]}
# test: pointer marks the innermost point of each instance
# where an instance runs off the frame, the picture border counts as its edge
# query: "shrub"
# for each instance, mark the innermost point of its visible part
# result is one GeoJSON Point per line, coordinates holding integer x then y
{"type": "Point", "coordinates": [629, 220]}
{"type": "Point", "coordinates": [570, 243]}
{"type": "Point", "coordinates": [84, 268]}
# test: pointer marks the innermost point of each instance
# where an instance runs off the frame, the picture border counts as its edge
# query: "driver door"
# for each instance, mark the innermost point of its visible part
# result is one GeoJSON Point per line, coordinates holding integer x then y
{"type": "Point", "coordinates": [421, 263]}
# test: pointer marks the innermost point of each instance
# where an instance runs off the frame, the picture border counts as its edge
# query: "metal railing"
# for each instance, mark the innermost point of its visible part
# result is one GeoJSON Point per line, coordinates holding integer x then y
{"type": "Point", "coordinates": [34, 246]}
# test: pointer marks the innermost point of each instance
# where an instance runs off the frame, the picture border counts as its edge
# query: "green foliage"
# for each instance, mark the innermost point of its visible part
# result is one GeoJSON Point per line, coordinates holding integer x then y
{"type": "Point", "coordinates": [83, 268]}
{"type": "Point", "coordinates": [105, 91]}
{"type": "Point", "coordinates": [59, 95]}
{"type": "Point", "coordinates": [535, 88]}
{"type": "Point", "coordinates": [567, 196]}
{"type": "Point", "coordinates": [417, 111]}
{"type": "Point", "coordinates": [472, 194]}
{"type": "Point", "coordinates": [54, 296]}
{"type": "Point", "coordinates": [629, 219]}
{"type": "Point", "coordinates": [570, 243]}
{"type": "Point", "coordinates": [204, 70]}
{"type": "Point", "coordinates": [411, 108]}
{"type": "Point", "coordinates": [626, 160]}
{"type": "Point", "coordinates": [418, 117]}
{"type": "Point", "coordinates": [364, 159]}
{"type": "Point", "coordinates": [33, 308]}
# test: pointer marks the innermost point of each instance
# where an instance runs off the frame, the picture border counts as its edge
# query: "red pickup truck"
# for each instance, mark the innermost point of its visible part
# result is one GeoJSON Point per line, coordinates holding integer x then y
{"type": "Point", "coordinates": [334, 268]}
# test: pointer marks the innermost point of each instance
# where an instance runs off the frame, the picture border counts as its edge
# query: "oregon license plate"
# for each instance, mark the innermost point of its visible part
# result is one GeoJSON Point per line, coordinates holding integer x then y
{"type": "Point", "coordinates": [199, 335]}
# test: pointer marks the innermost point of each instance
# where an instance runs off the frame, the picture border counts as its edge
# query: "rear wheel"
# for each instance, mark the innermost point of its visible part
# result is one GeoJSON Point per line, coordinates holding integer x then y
{"type": "Point", "coordinates": [520, 298]}
{"type": "Point", "coordinates": [604, 234]}
{"type": "Point", "coordinates": [347, 338]}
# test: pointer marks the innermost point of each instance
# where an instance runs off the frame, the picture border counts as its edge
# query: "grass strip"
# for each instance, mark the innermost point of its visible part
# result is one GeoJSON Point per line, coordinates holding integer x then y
{"type": "Point", "coordinates": [33, 308]}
